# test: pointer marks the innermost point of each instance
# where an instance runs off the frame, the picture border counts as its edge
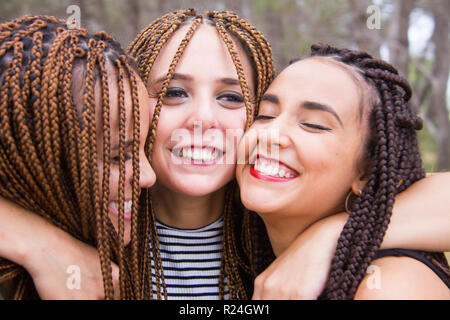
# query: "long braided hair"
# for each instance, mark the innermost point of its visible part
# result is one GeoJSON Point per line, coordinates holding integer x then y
{"type": "Point", "coordinates": [48, 144]}
{"type": "Point", "coordinates": [146, 48]}
{"type": "Point", "coordinates": [392, 150]}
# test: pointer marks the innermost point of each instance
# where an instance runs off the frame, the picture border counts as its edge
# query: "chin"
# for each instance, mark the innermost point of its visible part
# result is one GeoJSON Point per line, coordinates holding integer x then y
{"type": "Point", "coordinates": [259, 202]}
{"type": "Point", "coordinates": [126, 225]}
{"type": "Point", "coordinates": [203, 187]}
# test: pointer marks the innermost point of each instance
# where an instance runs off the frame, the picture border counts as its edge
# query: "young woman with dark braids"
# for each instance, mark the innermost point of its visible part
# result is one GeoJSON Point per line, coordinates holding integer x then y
{"type": "Point", "coordinates": [346, 137]}
{"type": "Point", "coordinates": [72, 140]}
{"type": "Point", "coordinates": [212, 92]}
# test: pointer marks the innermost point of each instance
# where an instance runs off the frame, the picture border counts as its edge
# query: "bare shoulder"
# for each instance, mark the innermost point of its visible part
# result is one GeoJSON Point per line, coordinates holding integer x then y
{"type": "Point", "coordinates": [401, 278]}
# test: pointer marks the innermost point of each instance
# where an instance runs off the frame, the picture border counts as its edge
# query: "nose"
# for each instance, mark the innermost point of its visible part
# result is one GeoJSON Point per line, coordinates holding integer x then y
{"type": "Point", "coordinates": [202, 116]}
{"type": "Point", "coordinates": [147, 177]}
{"type": "Point", "coordinates": [272, 138]}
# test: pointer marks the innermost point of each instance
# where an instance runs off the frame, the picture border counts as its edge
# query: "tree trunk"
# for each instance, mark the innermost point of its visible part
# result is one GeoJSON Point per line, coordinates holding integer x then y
{"type": "Point", "coordinates": [398, 44]}
{"type": "Point", "coordinates": [366, 39]}
{"type": "Point", "coordinates": [440, 74]}
{"type": "Point", "coordinates": [133, 18]}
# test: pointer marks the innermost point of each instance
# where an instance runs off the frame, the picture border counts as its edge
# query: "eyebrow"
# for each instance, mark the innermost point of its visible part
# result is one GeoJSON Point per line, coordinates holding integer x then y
{"type": "Point", "coordinates": [185, 77]}
{"type": "Point", "coordinates": [176, 76]}
{"type": "Point", "coordinates": [310, 105]}
{"type": "Point", "coordinates": [270, 98]}
{"type": "Point", "coordinates": [230, 81]}
{"type": "Point", "coordinates": [127, 144]}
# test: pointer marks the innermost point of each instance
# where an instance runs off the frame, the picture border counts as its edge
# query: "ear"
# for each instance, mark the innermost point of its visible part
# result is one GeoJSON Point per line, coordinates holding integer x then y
{"type": "Point", "coordinates": [358, 186]}
{"type": "Point", "coordinates": [361, 179]}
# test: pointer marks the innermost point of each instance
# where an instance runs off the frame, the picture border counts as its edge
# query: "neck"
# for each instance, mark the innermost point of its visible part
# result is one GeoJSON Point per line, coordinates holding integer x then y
{"type": "Point", "coordinates": [184, 211]}
{"type": "Point", "coordinates": [282, 231]}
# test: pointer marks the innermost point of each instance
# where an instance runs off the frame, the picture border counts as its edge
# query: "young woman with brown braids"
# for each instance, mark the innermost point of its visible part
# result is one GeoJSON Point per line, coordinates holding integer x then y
{"type": "Point", "coordinates": [355, 151]}
{"type": "Point", "coordinates": [219, 104]}
{"type": "Point", "coordinates": [186, 95]}
{"type": "Point", "coordinates": [72, 140]}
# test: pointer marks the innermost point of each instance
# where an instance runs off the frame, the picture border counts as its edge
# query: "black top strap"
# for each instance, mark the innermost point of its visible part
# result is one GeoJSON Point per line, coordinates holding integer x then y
{"type": "Point", "coordinates": [415, 255]}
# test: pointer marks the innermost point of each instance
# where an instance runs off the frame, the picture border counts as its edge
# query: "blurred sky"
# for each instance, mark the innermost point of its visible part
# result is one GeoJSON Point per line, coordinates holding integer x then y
{"type": "Point", "coordinates": [421, 28]}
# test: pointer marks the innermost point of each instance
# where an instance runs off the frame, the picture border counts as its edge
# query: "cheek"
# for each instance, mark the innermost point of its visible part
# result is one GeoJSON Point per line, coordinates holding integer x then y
{"type": "Point", "coordinates": [170, 119]}
{"type": "Point", "coordinates": [151, 109]}
{"type": "Point", "coordinates": [315, 154]}
{"type": "Point", "coordinates": [233, 118]}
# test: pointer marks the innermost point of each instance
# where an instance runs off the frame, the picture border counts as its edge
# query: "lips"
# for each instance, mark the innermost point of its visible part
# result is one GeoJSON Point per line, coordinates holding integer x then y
{"type": "Point", "coordinates": [272, 170]}
{"type": "Point", "coordinates": [113, 207]}
{"type": "Point", "coordinates": [198, 155]}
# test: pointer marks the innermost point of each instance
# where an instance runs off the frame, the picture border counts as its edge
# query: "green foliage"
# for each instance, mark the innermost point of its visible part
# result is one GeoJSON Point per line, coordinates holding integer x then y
{"type": "Point", "coordinates": [427, 145]}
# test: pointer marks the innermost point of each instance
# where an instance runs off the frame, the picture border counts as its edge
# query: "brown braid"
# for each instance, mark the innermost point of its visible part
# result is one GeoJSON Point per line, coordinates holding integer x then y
{"type": "Point", "coordinates": [145, 49]}
{"type": "Point", "coordinates": [48, 145]}
{"type": "Point", "coordinates": [392, 150]}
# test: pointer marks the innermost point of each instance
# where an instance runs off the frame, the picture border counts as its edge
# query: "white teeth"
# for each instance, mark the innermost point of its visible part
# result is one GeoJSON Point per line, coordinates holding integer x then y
{"type": "Point", "coordinates": [262, 168]}
{"type": "Point", "coordinates": [127, 205]}
{"type": "Point", "coordinates": [271, 170]}
{"type": "Point", "coordinates": [196, 155]}
{"type": "Point", "coordinates": [206, 154]}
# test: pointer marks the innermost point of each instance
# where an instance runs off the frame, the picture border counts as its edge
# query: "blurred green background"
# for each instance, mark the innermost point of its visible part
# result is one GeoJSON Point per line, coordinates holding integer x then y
{"type": "Point", "coordinates": [412, 34]}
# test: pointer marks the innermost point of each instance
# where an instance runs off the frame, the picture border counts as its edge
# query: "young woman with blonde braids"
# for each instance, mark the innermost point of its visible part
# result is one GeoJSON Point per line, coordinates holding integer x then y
{"type": "Point", "coordinates": [70, 105]}
{"type": "Point", "coordinates": [206, 73]}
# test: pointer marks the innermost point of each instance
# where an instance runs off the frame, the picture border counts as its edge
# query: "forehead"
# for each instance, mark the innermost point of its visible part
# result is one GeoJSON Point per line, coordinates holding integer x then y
{"type": "Point", "coordinates": [318, 80]}
{"type": "Point", "coordinates": [205, 52]}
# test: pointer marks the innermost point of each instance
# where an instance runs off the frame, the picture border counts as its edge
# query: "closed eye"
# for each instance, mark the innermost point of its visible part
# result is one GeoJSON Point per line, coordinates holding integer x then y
{"type": "Point", "coordinates": [316, 126]}
{"type": "Point", "coordinates": [116, 159]}
{"type": "Point", "coordinates": [263, 117]}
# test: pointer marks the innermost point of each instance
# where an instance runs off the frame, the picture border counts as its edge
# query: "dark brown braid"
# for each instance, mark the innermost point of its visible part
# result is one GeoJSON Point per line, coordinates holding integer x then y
{"type": "Point", "coordinates": [48, 145]}
{"type": "Point", "coordinates": [145, 49]}
{"type": "Point", "coordinates": [393, 152]}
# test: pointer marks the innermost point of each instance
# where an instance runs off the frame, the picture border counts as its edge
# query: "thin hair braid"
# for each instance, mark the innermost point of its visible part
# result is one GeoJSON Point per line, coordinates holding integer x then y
{"type": "Point", "coordinates": [135, 232]}
{"type": "Point", "coordinates": [240, 71]}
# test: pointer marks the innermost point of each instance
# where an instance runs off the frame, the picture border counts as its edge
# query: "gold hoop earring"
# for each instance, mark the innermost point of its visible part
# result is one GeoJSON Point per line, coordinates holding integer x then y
{"type": "Point", "coordinates": [348, 198]}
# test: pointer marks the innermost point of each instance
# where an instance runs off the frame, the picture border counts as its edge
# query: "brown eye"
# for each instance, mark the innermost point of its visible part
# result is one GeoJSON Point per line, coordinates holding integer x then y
{"type": "Point", "coordinates": [231, 97]}
{"type": "Point", "coordinates": [176, 93]}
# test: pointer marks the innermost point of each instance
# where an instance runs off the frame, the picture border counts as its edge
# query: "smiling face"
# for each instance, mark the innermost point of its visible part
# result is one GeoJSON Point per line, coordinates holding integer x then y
{"type": "Point", "coordinates": [147, 176]}
{"type": "Point", "coordinates": [192, 153]}
{"type": "Point", "coordinates": [315, 105]}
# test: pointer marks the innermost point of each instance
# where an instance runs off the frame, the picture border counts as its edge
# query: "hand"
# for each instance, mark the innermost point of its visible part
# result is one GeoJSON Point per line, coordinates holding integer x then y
{"type": "Point", "coordinates": [68, 269]}
{"type": "Point", "coordinates": [301, 271]}
{"type": "Point", "coordinates": [46, 252]}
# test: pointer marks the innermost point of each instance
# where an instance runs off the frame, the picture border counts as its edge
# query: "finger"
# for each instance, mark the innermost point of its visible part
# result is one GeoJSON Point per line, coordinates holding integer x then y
{"type": "Point", "coordinates": [115, 279]}
{"type": "Point", "coordinates": [256, 295]}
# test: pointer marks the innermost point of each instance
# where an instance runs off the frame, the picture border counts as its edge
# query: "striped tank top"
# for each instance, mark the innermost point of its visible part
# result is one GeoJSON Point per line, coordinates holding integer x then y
{"type": "Point", "coordinates": [191, 260]}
